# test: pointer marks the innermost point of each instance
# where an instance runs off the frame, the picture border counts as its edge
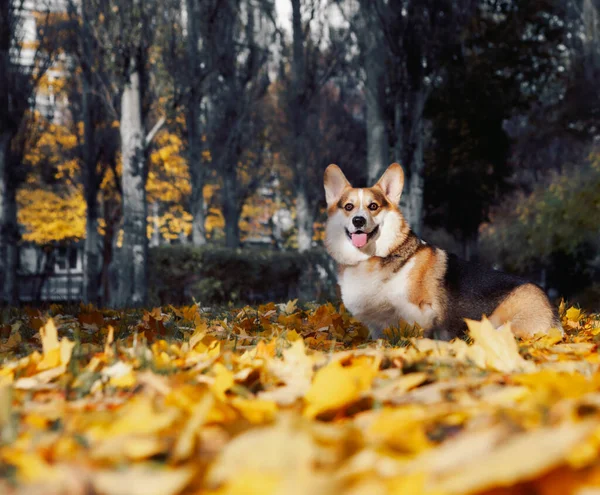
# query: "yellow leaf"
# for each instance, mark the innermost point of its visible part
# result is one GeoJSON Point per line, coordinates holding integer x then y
{"type": "Point", "coordinates": [124, 381]}
{"type": "Point", "coordinates": [8, 429]}
{"type": "Point", "coordinates": [520, 458]}
{"type": "Point", "coordinates": [413, 484]}
{"type": "Point", "coordinates": [50, 359]}
{"type": "Point", "coordinates": [120, 374]}
{"type": "Point", "coordinates": [55, 353]}
{"type": "Point", "coordinates": [289, 307]}
{"type": "Point", "coordinates": [251, 483]}
{"type": "Point", "coordinates": [553, 336]}
{"type": "Point", "coordinates": [294, 370]}
{"type": "Point", "coordinates": [585, 452]}
{"type": "Point", "coordinates": [31, 466]}
{"type": "Point", "coordinates": [255, 410]}
{"type": "Point", "coordinates": [39, 380]}
{"type": "Point", "coordinates": [402, 429]}
{"type": "Point", "coordinates": [110, 338]}
{"type": "Point", "coordinates": [132, 447]}
{"type": "Point", "coordinates": [137, 417]}
{"type": "Point", "coordinates": [285, 448]}
{"type": "Point", "coordinates": [550, 385]}
{"type": "Point", "coordinates": [50, 345]}
{"type": "Point", "coordinates": [223, 381]}
{"type": "Point", "coordinates": [335, 385]}
{"type": "Point", "coordinates": [185, 443]}
{"type": "Point", "coordinates": [573, 314]}
{"type": "Point", "coordinates": [496, 347]}
{"type": "Point", "coordinates": [198, 335]}
{"type": "Point", "coordinates": [142, 480]}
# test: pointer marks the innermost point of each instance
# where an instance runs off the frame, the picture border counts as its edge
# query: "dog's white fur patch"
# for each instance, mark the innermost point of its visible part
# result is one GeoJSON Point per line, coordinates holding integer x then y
{"type": "Point", "coordinates": [378, 302]}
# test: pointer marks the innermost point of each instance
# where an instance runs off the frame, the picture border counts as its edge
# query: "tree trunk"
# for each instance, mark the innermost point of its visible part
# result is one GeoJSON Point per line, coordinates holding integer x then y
{"type": "Point", "coordinates": [304, 217]}
{"type": "Point", "coordinates": [91, 254]}
{"type": "Point", "coordinates": [10, 232]}
{"type": "Point", "coordinates": [373, 51]}
{"type": "Point", "coordinates": [197, 206]}
{"type": "Point", "coordinates": [91, 251]}
{"type": "Point", "coordinates": [110, 214]}
{"type": "Point", "coordinates": [231, 211]}
{"type": "Point", "coordinates": [304, 223]}
{"type": "Point", "coordinates": [132, 270]}
{"type": "Point", "coordinates": [9, 228]}
{"type": "Point", "coordinates": [194, 133]}
{"type": "Point", "coordinates": [4, 144]}
{"type": "Point", "coordinates": [591, 44]}
{"type": "Point", "coordinates": [409, 151]}
{"type": "Point", "coordinates": [414, 215]}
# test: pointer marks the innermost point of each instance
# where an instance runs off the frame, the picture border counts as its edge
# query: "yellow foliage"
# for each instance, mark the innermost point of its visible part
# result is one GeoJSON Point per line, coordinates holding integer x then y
{"type": "Point", "coordinates": [48, 216]}
{"type": "Point", "coordinates": [168, 175]}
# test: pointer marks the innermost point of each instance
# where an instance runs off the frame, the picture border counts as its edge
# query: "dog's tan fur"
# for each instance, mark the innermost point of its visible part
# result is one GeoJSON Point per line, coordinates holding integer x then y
{"type": "Point", "coordinates": [527, 309]}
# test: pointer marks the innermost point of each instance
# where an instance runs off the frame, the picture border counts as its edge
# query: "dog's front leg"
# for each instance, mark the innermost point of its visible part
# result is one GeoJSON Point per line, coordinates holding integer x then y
{"type": "Point", "coordinates": [376, 331]}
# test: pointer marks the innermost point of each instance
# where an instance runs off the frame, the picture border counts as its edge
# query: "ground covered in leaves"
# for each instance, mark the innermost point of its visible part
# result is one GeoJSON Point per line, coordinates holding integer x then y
{"type": "Point", "coordinates": [282, 400]}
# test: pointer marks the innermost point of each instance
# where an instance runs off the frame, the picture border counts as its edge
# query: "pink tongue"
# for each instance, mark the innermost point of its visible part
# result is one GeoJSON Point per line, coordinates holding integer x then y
{"type": "Point", "coordinates": [359, 240]}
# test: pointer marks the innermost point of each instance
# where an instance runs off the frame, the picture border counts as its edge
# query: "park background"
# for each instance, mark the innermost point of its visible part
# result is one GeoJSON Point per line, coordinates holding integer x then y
{"type": "Point", "coordinates": [156, 152]}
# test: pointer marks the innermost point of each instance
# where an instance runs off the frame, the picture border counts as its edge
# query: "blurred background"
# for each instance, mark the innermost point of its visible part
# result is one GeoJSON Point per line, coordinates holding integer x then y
{"type": "Point", "coordinates": [171, 151]}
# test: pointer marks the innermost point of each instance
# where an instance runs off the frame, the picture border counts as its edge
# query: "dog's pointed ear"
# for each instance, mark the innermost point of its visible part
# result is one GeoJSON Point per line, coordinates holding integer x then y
{"type": "Point", "coordinates": [335, 182]}
{"type": "Point", "coordinates": [392, 182]}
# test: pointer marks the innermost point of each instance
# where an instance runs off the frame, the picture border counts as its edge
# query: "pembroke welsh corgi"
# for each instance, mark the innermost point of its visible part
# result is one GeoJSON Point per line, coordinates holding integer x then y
{"type": "Point", "coordinates": [388, 274]}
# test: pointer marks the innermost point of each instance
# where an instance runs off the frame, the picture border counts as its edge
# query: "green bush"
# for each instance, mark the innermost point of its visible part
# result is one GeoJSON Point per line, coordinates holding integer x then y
{"type": "Point", "coordinates": [217, 275]}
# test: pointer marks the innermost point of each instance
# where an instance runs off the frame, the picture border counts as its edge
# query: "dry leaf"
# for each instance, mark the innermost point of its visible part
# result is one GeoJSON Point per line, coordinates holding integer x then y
{"type": "Point", "coordinates": [142, 480]}
{"type": "Point", "coordinates": [495, 348]}
{"type": "Point", "coordinates": [335, 385]}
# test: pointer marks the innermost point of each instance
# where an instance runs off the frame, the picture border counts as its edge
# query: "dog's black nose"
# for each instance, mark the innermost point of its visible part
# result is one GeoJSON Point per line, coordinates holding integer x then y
{"type": "Point", "coordinates": [359, 222]}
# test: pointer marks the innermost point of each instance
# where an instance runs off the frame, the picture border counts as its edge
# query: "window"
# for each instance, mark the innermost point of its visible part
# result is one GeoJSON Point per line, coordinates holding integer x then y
{"type": "Point", "coordinates": [66, 259]}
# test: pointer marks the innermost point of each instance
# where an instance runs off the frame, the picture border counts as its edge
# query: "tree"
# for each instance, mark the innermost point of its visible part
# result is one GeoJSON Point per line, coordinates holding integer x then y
{"type": "Point", "coordinates": [51, 209]}
{"type": "Point", "coordinates": [130, 25]}
{"type": "Point", "coordinates": [18, 82]}
{"type": "Point", "coordinates": [316, 59]}
{"type": "Point", "coordinates": [238, 82]}
{"type": "Point", "coordinates": [554, 228]}
{"type": "Point", "coordinates": [184, 67]}
{"type": "Point", "coordinates": [374, 60]}
{"type": "Point", "coordinates": [550, 223]}
{"type": "Point", "coordinates": [486, 84]}
{"type": "Point", "coordinates": [197, 64]}
{"type": "Point", "coordinates": [417, 36]}
{"type": "Point", "coordinates": [92, 101]}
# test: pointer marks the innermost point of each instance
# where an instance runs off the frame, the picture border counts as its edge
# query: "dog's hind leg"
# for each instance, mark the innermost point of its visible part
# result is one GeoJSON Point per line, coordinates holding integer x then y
{"type": "Point", "coordinates": [528, 310]}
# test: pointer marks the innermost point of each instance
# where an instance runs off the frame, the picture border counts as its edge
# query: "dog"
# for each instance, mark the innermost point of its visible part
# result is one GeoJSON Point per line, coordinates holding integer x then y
{"type": "Point", "coordinates": [388, 274]}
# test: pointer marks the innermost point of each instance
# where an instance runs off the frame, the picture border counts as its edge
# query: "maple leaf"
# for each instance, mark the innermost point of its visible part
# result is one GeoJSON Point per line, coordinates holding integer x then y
{"type": "Point", "coordinates": [495, 348]}
{"type": "Point", "coordinates": [335, 385]}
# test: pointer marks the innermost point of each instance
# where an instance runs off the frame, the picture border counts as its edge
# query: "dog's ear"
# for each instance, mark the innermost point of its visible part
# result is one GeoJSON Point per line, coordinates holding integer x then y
{"type": "Point", "coordinates": [335, 183]}
{"type": "Point", "coordinates": [392, 182]}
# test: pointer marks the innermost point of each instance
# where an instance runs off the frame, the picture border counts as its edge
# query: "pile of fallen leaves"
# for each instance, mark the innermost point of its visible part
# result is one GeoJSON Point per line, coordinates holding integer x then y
{"type": "Point", "coordinates": [283, 400]}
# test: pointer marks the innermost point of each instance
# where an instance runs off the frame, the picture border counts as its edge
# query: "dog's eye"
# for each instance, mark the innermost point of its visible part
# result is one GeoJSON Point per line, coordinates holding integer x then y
{"type": "Point", "coordinates": [348, 207]}
{"type": "Point", "coordinates": [373, 206]}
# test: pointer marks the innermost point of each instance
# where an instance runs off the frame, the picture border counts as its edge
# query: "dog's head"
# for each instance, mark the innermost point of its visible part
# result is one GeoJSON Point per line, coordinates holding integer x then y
{"type": "Point", "coordinates": [363, 222]}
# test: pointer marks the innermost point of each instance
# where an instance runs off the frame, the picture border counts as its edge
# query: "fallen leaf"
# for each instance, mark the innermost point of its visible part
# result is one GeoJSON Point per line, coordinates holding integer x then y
{"type": "Point", "coordinates": [142, 480]}
{"type": "Point", "coordinates": [522, 457]}
{"type": "Point", "coordinates": [496, 349]}
{"type": "Point", "coordinates": [335, 385]}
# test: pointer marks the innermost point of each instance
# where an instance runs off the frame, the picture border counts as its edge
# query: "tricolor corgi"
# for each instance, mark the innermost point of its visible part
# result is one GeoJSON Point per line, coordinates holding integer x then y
{"type": "Point", "coordinates": [388, 274]}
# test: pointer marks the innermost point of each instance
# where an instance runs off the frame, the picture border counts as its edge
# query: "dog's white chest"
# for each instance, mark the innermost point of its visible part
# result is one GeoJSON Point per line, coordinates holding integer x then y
{"type": "Point", "coordinates": [380, 298]}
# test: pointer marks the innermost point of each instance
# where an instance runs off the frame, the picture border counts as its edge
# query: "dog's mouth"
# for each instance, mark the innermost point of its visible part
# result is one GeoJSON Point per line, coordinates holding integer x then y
{"type": "Point", "coordinates": [359, 238]}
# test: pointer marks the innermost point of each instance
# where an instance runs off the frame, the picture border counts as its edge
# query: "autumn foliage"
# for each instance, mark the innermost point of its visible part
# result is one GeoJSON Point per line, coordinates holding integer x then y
{"type": "Point", "coordinates": [279, 399]}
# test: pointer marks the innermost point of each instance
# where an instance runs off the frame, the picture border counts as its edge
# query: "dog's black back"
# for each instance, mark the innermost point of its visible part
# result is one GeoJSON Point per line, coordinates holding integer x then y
{"type": "Point", "coordinates": [473, 290]}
